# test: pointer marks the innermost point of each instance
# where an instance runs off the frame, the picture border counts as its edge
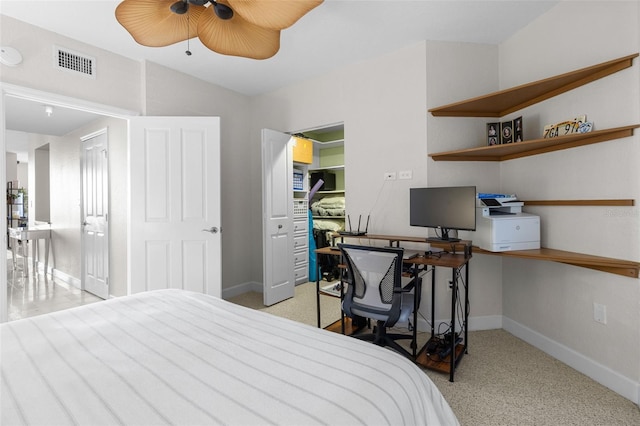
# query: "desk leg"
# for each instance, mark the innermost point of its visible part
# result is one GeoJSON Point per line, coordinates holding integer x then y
{"type": "Point", "coordinates": [433, 302]}
{"type": "Point", "coordinates": [25, 252]}
{"type": "Point", "coordinates": [466, 311]}
{"type": "Point", "coordinates": [417, 289]}
{"type": "Point", "coordinates": [454, 291]}
{"type": "Point", "coordinates": [342, 322]}
{"type": "Point", "coordinates": [13, 252]}
{"type": "Point", "coordinates": [47, 243]}
{"type": "Point", "coordinates": [35, 252]}
{"type": "Point", "coordinates": [318, 291]}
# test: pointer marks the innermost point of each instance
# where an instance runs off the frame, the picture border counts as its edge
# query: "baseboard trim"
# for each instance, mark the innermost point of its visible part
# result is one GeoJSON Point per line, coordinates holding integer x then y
{"type": "Point", "coordinates": [236, 290]}
{"type": "Point", "coordinates": [65, 278]}
{"type": "Point", "coordinates": [491, 322]}
{"type": "Point", "coordinates": [598, 372]}
{"type": "Point", "coordinates": [239, 289]}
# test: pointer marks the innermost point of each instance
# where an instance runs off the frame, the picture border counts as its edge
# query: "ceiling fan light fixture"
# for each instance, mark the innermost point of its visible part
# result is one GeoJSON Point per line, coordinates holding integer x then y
{"type": "Point", "coordinates": [222, 11]}
{"type": "Point", "coordinates": [180, 7]}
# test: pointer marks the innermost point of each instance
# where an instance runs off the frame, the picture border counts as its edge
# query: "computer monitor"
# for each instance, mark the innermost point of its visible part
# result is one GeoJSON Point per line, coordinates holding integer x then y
{"type": "Point", "coordinates": [443, 208]}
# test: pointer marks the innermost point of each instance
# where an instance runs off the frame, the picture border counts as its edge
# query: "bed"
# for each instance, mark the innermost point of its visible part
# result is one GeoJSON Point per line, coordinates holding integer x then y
{"type": "Point", "coordinates": [177, 357]}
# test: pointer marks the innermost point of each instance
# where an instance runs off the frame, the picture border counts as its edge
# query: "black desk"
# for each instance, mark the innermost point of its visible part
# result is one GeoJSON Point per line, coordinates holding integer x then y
{"type": "Point", "coordinates": [457, 260]}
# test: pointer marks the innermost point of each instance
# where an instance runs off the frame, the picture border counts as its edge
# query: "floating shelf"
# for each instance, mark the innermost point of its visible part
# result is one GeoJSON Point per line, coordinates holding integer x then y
{"type": "Point", "coordinates": [329, 168]}
{"type": "Point", "coordinates": [534, 146]}
{"type": "Point", "coordinates": [499, 104]}
{"type": "Point", "coordinates": [625, 268]}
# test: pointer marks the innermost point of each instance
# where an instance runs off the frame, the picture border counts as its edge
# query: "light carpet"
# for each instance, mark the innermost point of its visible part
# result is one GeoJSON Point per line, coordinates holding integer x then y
{"type": "Point", "coordinates": [501, 381]}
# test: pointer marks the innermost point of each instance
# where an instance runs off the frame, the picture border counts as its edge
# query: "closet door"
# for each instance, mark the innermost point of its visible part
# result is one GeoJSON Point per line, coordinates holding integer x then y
{"type": "Point", "coordinates": [277, 217]}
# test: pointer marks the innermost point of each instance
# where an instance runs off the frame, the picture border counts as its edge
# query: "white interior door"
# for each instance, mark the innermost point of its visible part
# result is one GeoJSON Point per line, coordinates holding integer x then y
{"type": "Point", "coordinates": [277, 217]}
{"type": "Point", "coordinates": [175, 204]}
{"type": "Point", "coordinates": [95, 208]}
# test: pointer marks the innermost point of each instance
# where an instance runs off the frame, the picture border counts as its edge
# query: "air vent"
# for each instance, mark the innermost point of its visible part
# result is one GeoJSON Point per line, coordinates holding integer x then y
{"type": "Point", "coordinates": [68, 60]}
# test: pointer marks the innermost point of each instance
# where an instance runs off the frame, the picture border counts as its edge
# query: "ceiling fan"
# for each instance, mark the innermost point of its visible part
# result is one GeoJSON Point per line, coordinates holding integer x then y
{"type": "Point", "coordinates": [246, 28]}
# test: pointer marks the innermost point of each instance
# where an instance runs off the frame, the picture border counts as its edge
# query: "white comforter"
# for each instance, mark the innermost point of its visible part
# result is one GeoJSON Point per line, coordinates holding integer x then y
{"type": "Point", "coordinates": [175, 357]}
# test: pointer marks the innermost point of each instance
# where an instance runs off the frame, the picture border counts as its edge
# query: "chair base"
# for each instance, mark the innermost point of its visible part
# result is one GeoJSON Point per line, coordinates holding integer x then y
{"type": "Point", "coordinates": [380, 337]}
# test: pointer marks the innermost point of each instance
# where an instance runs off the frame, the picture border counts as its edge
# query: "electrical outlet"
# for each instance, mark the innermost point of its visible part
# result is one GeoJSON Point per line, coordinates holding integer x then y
{"type": "Point", "coordinates": [405, 174]}
{"type": "Point", "coordinates": [600, 313]}
{"type": "Point", "coordinates": [389, 175]}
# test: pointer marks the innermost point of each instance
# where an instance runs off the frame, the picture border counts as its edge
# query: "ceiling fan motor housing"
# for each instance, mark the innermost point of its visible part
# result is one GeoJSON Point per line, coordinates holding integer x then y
{"type": "Point", "coordinates": [222, 10]}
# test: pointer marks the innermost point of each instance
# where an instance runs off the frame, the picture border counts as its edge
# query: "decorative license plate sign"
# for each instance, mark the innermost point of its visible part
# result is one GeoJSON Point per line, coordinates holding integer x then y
{"type": "Point", "coordinates": [577, 125]}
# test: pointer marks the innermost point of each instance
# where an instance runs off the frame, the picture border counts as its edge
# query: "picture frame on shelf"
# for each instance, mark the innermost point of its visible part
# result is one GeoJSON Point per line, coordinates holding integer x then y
{"type": "Point", "coordinates": [506, 132]}
{"type": "Point", "coordinates": [493, 134]}
{"type": "Point", "coordinates": [518, 129]}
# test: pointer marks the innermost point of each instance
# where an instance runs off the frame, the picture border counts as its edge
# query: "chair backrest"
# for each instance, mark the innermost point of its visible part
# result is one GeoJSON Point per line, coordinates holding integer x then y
{"type": "Point", "coordinates": [374, 275]}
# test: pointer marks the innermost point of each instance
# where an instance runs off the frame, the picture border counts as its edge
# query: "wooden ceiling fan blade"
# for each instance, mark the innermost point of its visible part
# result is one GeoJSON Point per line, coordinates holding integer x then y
{"type": "Point", "coordinates": [237, 37]}
{"type": "Point", "coordinates": [274, 14]}
{"type": "Point", "coordinates": [152, 22]}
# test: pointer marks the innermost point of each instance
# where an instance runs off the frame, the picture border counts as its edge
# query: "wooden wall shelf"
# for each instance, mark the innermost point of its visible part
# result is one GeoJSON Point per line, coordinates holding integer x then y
{"type": "Point", "coordinates": [504, 102]}
{"type": "Point", "coordinates": [625, 268]}
{"type": "Point", "coordinates": [501, 103]}
{"type": "Point", "coordinates": [534, 146]}
{"type": "Point", "coordinates": [618, 203]}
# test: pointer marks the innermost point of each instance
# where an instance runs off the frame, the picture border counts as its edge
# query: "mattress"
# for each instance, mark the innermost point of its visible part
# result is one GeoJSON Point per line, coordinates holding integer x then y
{"type": "Point", "coordinates": [177, 357]}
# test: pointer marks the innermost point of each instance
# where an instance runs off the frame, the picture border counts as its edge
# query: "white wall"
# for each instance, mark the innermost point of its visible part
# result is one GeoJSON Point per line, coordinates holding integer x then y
{"type": "Point", "coordinates": [64, 157]}
{"type": "Point", "coordinates": [553, 303]}
{"type": "Point", "coordinates": [23, 175]}
{"type": "Point", "coordinates": [383, 104]}
{"type": "Point", "coordinates": [11, 166]}
{"type": "Point", "coordinates": [116, 83]}
{"type": "Point", "coordinates": [458, 71]}
{"type": "Point", "coordinates": [40, 199]}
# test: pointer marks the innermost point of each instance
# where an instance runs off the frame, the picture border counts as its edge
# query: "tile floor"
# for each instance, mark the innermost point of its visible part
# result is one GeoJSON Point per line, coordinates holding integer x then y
{"type": "Point", "coordinates": [34, 294]}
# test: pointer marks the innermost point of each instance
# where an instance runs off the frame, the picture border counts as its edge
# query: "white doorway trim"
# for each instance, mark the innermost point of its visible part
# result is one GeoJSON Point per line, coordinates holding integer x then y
{"type": "Point", "coordinates": [49, 99]}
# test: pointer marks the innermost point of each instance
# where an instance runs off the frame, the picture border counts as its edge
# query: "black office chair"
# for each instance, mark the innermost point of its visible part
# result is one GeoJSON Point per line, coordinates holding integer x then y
{"type": "Point", "coordinates": [375, 290]}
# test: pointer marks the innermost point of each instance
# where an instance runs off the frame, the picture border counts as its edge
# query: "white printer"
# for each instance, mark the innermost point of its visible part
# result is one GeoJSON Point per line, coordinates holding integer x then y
{"type": "Point", "coordinates": [502, 226]}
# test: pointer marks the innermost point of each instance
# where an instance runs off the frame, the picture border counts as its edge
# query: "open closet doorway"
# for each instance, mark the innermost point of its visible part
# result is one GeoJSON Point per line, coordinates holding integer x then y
{"type": "Point", "coordinates": [327, 201]}
{"type": "Point", "coordinates": [291, 164]}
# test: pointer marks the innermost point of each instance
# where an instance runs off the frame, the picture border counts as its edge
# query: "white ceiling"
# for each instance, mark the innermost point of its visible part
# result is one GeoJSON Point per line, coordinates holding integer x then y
{"type": "Point", "coordinates": [333, 35]}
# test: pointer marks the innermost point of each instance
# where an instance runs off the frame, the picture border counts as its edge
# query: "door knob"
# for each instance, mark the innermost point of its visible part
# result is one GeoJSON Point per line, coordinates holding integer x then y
{"type": "Point", "coordinates": [213, 230]}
